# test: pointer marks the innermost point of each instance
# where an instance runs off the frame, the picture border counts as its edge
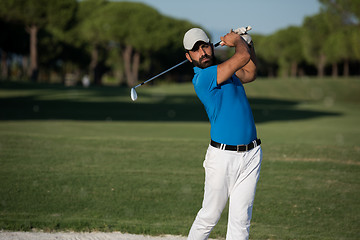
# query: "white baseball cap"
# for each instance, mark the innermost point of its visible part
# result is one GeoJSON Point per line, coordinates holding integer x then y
{"type": "Point", "coordinates": [193, 36]}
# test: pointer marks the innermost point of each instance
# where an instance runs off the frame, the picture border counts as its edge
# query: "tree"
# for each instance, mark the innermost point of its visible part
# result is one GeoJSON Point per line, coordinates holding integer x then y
{"type": "Point", "coordinates": [340, 45]}
{"type": "Point", "coordinates": [317, 28]}
{"type": "Point", "coordinates": [140, 31]}
{"type": "Point", "coordinates": [133, 30]}
{"type": "Point", "coordinates": [35, 15]}
{"type": "Point", "coordinates": [338, 48]}
{"type": "Point", "coordinates": [347, 10]}
{"type": "Point", "coordinates": [289, 50]}
{"type": "Point", "coordinates": [267, 51]}
{"type": "Point", "coordinates": [354, 41]}
{"type": "Point", "coordinates": [91, 23]}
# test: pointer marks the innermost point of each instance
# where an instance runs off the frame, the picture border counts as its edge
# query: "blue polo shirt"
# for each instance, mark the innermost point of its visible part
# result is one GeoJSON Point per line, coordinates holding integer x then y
{"type": "Point", "coordinates": [227, 107]}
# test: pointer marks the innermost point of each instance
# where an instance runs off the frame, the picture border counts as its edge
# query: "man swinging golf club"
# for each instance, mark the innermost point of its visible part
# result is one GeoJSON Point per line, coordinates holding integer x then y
{"type": "Point", "coordinates": [233, 159]}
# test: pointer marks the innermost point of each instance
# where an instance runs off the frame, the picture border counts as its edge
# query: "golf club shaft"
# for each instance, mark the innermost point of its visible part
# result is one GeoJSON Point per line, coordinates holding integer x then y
{"type": "Point", "coordinates": [162, 73]}
{"type": "Point", "coordinates": [177, 65]}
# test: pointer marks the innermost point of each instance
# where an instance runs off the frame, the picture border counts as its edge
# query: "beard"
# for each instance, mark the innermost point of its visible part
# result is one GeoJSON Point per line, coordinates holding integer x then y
{"type": "Point", "coordinates": [205, 61]}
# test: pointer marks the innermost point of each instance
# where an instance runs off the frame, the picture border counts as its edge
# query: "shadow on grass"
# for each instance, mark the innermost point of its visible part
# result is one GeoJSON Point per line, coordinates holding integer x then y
{"type": "Point", "coordinates": [158, 108]}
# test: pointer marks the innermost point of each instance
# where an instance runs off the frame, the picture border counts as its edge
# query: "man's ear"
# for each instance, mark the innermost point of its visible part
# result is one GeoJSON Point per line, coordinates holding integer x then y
{"type": "Point", "coordinates": [187, 55]}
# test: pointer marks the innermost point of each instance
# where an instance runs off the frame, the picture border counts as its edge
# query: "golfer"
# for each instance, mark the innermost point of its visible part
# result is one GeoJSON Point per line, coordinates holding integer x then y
{"type": "Point", "coordinates": [233, 158]}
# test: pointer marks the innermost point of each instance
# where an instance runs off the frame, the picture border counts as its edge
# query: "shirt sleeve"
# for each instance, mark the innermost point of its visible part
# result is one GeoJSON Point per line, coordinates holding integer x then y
{"type": "Point", "coordinates": [206, 81]}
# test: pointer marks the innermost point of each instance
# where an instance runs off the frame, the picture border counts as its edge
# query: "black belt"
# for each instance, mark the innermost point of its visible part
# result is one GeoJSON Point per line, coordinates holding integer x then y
{"type": "Point", "coordinates": [238, 148]}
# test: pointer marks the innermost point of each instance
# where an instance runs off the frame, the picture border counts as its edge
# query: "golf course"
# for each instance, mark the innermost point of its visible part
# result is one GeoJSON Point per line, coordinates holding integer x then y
{"type": "Point", "coordinates": [90, 159]}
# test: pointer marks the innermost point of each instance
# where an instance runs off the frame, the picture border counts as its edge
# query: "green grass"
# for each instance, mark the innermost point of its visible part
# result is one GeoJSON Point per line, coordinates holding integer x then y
{"type": "Point", "coordinates": [91, 159]}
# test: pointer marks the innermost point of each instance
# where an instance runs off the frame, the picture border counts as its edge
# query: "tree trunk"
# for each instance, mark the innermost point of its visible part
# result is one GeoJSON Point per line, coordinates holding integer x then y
{"type": "Point", "coordinates": [335, 71]}
{"type": "Point", "coordinates": [135, 66]}
{"type": "Point", "coordinates": [93, 64]}
{"type": "Point", "coordinates": [270, 72]}
{"type": "Point", "coordinates": [4, 66]}
{"type": "Point", "coordinates": [127, 63]}
{"type": "Point", "coordinates": [301, 72]}
{"type": "Point", "coordinates": [293, 69]}
{"type": "Point", "coordinates": [33, 30]}
{"type": "Point", "coordinates": [321, 65]}
{"type": "Point", "coordinates": [284, 73]}
{"type": "Point", "coordinates": [131, 65]}
{"type": "Point", "coordinates": [346, 68]}
{"type": "Point", "coordinates": [25, 66]}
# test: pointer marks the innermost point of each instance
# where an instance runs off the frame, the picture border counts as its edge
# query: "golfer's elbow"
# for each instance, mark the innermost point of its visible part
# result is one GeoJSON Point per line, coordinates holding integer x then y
{"type": "Point", "coordinates": [249, 77]}
{"type": "Point", "coordinates": [252, 76]}
{"type": "Point", "coordinates": [247, 73]}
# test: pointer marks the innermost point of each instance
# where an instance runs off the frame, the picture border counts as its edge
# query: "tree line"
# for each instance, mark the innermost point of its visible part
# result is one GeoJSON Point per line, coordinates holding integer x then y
{"type": "Point", "coordinates": [64, 40]}
{"type": "Point", "coordinates": [93, 37]}
{"type": "Point", "coordinates": [324, 43]}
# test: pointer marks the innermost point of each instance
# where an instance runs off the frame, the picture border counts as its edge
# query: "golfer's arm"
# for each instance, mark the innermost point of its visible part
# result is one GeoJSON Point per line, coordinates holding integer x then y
{"type": "Point", "coordinates": [248, 73]}
{"type": "Point", "coordinates": [240, 59]}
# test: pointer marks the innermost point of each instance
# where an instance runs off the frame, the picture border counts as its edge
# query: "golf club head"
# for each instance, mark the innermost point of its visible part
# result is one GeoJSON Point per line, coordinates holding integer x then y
{"type": "Point", "coordinates": [133, 94]}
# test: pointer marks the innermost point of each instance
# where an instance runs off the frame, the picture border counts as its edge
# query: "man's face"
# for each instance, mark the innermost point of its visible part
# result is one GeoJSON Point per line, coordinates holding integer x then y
{"type": "Point", "coordinates": [202, 55]}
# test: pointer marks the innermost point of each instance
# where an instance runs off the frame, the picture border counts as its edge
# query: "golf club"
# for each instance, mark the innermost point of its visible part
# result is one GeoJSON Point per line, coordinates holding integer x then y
{"type": "Point", "coordinates": [133, 93]}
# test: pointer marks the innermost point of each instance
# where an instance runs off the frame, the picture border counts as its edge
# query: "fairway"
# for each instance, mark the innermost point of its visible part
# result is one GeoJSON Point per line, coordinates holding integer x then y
{"type": "Point", "coordinates": [93, 160]}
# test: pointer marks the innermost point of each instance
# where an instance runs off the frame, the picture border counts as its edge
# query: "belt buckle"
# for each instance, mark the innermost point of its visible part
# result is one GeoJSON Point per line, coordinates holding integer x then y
{"type": "Point", "coordinates": [238, 146]}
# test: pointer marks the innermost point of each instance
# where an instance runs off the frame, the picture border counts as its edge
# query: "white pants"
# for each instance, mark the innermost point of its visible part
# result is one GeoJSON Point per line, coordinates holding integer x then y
{"type": "Point", "coordinates": [228, 175]}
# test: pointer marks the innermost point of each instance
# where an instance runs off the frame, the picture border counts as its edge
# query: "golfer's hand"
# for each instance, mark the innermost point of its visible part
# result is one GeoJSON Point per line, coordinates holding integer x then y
{"type": "Point", "coordinates": [230, 39]}
{"type": "Point", "coordinates": [243, 33]}
{"type": "Point", "coordinates": [247, 38]}
{"type": "Point", "coordinates": [240, 31]}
